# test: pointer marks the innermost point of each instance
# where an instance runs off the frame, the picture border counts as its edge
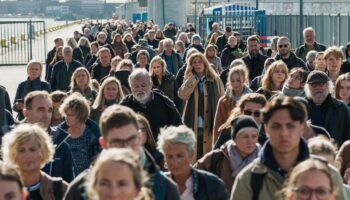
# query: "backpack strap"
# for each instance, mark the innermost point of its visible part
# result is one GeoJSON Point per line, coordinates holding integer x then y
{"type": "Point", "coordinates": [256, 182]}
{"type": "Point", "coordinates": [57, 188]}
{"type": "Point", "coordinates": [216, 162]}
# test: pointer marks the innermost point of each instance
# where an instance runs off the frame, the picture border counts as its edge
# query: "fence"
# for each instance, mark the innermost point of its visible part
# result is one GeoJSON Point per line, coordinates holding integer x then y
{"type": "Point", "coordinates": [21, 41]}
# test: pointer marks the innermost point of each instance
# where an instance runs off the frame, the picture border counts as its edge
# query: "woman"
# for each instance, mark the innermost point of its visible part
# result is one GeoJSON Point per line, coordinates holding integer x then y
{"type": "Point", "coordinates": [114, 63]}
{"type": "Point", "coordinates": [91, 59]}
{"type": "Point", "coordinates": [235, 88]}
{"type": "Point", "coordinates": [210, 54]}
{"type": "Point", "coordinates": [58, 57]}
{"type": "Point", "coordinates": [110, 93]}
{"type": "Point", "coordinates": [117, 174]}
{"type": "Point", "coordinates": [184, 38]}
{"type": "Point", "coordinates": [164, 80]}
{"type": "Point", "coordinates": [320, 62]}
{"type": "Point", "coordinates": [83, 134]}
{"type": "Point", "coordinates": [119, 47]}
{"type": "Point", "coordinates": [11, 183]}
{"type": "Point", "coordinates": [342, 88]}
{"type": "Point", "coordinates": [81, 83]}
{"type": "Point", "coordinates": [273, 80]}
{"type": "Point", "coordinates": [231, 52]}
{"type": "Point", "coordinates": [142, 59]}
{"type": "Point", "coordinates": [201, 90]}
{"type": "Point", "coordinates": [234, 155]}
{"type": "Point", "coordinates": [310, 178]}
{"type": "Point", "coordinates": [334, 60]}
{"type": "Point", "coordinates": [33, 83]}
{"type": "Point", "coordinates": [180, 48]}
{"type": "Point", "coordinates": [57, 98]}
{"type": "Point", "coordinates": [129, 41]}
{"type": "Point", "coordinates": [213, 38]}
{"type": "Point", "coordinates": [122, 73]}
{"type": "Point", "coordinates": [294, 86]}
{"type": "Point", "coordinates": [77, 53]}
{"type": "Point", "coordinates": [160, 35]}
{"type": "Point", "coordinates": [178, 145]}
{"type": "Point", "coordinates": [84, 46]}
{"type": "Point", "coordinates": [28, 147]}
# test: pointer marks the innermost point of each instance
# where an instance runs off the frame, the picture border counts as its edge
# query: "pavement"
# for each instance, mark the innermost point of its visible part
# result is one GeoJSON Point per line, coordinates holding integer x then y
{"type": "Point", "coordinates": [11, 76]}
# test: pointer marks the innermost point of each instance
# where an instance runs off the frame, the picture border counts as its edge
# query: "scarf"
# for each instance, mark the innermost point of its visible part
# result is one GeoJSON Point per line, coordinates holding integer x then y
{"type": "Point", "coordinates": [234, 98]}
{"type": "Point", "coordinates": [293, 92]}
{"type": "Point", "coordinates": [236, 161]}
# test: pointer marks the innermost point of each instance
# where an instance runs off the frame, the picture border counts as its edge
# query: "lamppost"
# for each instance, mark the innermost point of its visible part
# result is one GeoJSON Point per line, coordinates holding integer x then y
{"type": "Point", "coordinates": [301, 21]}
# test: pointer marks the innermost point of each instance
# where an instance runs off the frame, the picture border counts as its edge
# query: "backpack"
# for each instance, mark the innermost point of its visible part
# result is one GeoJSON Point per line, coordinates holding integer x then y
{"type": "Point", "coordinates": [256, 182]}
{"type": "Point", "coordinates": [57, 188]}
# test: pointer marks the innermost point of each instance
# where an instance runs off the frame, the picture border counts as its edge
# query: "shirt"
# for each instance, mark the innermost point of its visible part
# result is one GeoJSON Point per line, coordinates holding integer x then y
{"type": "Point", "coordinates": [188, 193]}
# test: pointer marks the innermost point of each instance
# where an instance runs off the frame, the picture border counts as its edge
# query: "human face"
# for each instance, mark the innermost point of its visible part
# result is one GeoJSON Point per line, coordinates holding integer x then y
{"type": "Point", "coordinates": [110, 91]}
{"type": "Point", "coordinates": [157, 69]}
{"type": "Point", "coordinates": [67, 54]}
{"type": "Point", "coordinates": [29, 156]}
{"type": "Point", "coordinates": [34, 71]}
{"type": "Point", "coordinates": [320, 63]}
{"type": "Point", "coordinates": [143, 130]}
{"type": "Point", "coordinates": [237, 83]}
{"type": "Point", "coordinates": [232, 42]}
{"type": "Point", "coordinates": [168, 47]}
{"type": "Point", "coordinates": [211, 52]}
{"type": "Point", "coordinates": [283, 47]}
{"type": "Point", "coordinates": [309, 37]}
{"type": "Point", "coordinates": [105, 58]}
{"type": "Point", "coordinates": [253, 108]}
{"type": "Point", "coordinates": [246, 142]}
{"type": "Point", "coordinates": [94, 49]}
{"type": "Point", "coordinates": [126, 136]}
{"type": "Point", "coordinates": [142, 60]}
{"type": "Point", "coordinates": [72, 119]}
{"type": "Point", "coordinates": [294, 81]}
{"type": "Point", "coordinates": [115, 182]}
{"type": "Point", "coordinates": [178, 158]}
{"type": "Point", "coordinates": [333, 64]}
{"type": "Point", "coordinates": [55, 111]}
{"type": "Point", "coordinates": [312, 180]}
{"type": "Point", "coordinates": [253, 48]}
{"type": "Point", "coordinates": [278, 76]}
{"type": "Point", "coordinates": [344, 90]}
{"type": "Point", "coordinates": [81, 79]}
{"type": "Point", "coordinates": [9, 190]}
{"type": "Point", "coordinates": [151, 35]}
{"type": "Point", "coordinates": [41, 112]}
{"type": "Point", "coordinates": [283, 132]}
{"type": "Point", "coordinates": [101, 38]}
{"type": "Point", "coordinates": [319, 92]}
{"type": "Point", "coordinates": [141, 89]}
{"type": "Point", "coordinates": [198, 66]}
{"type": "Point", "coordinates": [59, 43]}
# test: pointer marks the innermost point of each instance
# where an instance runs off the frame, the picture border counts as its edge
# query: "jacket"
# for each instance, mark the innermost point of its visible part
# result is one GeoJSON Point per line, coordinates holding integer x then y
{"type": "Point", "coordinates": [78, 55]}
{"type": "Point", "coordinates": [221, 42]}
{"type": "Point", "coordinates": [60, 77]}
{"type": "Point", "coordinates": [49, 58]}
{"type": "Point", "coordinates": [229, 54]}
{"type": "Point", "coordinates": [292, 61]}
{"type": "Point", "coordinates": [302, 50]}
{"type": "Point", "coordinates": [47, 189]}
{"type": "Point", "coordinates": [342, 160]}
{"type": "Point", "coordinates": [223, 111]}
{"type": "Point", "coordinates": [213, 90]}
{"type": "Point", "coordinates": [255, 65]}
{"type": "Point", "coordinates": [120, 49]}
{"type": "Point", "coordinates": [98, 71]}
{"type": "Point", "coordinates": [207, 186]}
{"type": "Point", "coordinates": [176, 59]}
{"type": "Point", "coordinates": [166, 113]}
{"type": "Point", "coordinates": [198, 47]}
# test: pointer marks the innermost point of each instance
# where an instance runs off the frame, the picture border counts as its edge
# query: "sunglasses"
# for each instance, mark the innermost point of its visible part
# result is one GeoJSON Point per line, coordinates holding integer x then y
{"type": "Point", "coordinates": [250, 113]}
{"type": "Point", "coordinates": [283, 45]}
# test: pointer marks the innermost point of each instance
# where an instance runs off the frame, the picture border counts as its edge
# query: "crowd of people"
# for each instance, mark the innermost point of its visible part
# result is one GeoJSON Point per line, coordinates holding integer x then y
{"type": "Point", "coordinates": [131, 111]}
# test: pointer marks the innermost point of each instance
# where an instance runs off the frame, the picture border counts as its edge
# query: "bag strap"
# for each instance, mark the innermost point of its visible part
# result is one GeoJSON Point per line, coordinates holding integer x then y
{"type": "Point", "coordinates": [256, 183]}
{"type": "Point", "coordinates": [57, 188]}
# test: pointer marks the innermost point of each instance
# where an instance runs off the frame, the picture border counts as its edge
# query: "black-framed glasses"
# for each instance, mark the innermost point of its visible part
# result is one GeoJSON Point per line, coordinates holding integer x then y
{"type": "Point", "coordinates": [305, 192]}
{"type": "Point", "coordinates": [250, 113]}
{"type": "Point", "coordinates": [283, 45]}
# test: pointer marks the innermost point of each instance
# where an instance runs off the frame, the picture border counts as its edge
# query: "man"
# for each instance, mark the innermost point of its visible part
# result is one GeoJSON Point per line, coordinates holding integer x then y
{"type": "Point", "coordinates": [240, 43]}
{"type": "Point", "coordinates": [283, 119]}
{"type": "Point", "coordinates": [254, 59]}
{"type": "Point", "coordinates": [172, 59]}
{"type": "Point", "coordinates": [62, 71]}
{"type": "Point", "coordinates": [119, 129]}
{"type": "Point", "coordinates": [170, 31]}
{"type": "Point", "coordinates": [77, 36]}
{"type": "Point", "coordinates": [286, 55]}
{"type": "Point", "coordinates": [6, 119]}
{"type": "Point", "coordinates": [87, 34]}
{"type": "Point", "coordinates": [38, 109]}
{"type": "Point", "coordinates": [221, 42]}
{"type": "Point", "coordinates": [215, 29]}
{"type": "Point", "coordinates": [325, 110]}
{"type": "Point", "coordinates": [310, 44]}
{"type": "Point", "coordinates": [142, 45]}
{"type": "Point", "coordinates": [311, 60]}
{"type": "Point", "coordinates": [135, 33]}
{"type": "Point", "coordinates": [152, 40]}
{"type": "Point", "coordinates": [156, 107]}
{"type": "Point", "coordinates": [102, 68]}
{"type": "Point", "coordinates": [51, 55]}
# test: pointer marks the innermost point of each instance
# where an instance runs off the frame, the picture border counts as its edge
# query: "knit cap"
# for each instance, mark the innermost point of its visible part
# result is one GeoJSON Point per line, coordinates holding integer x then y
{"type": "Point", "coordinates": [242, 123]}
{"type": "Point", "coordinates": [196, 37]}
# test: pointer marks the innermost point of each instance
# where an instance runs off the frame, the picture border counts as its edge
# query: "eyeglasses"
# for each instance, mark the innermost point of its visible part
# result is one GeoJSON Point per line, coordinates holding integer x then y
{"type": "Point", "coordinates": [283, 45]}
{"type": "Point", "coordinates": [132, 140]}
{"type": "Point", "coordinates": [250, 113]}
{"type": "Point", "coordinates": [305, 192]}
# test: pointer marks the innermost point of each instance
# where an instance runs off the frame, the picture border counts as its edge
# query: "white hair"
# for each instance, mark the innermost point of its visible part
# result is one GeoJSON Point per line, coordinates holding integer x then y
{"type": "Point", "coordinates": [167, 41]}
{"type": "Point", "coordinates": [137, 74]}
{"type": "Point", "coordinates": [308, 92]}
{"type": "Point", "coordinates": [177, 134]}
{"type": "Point", "coordinates": [309, 29]}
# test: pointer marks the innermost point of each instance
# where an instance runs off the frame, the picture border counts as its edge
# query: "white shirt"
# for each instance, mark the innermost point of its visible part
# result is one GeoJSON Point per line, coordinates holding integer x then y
{"type": "Point", "coordinates": [188, 193]}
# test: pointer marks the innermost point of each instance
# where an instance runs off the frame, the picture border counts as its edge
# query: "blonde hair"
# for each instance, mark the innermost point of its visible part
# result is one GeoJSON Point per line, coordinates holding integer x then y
{"type": "Point", "coordinates": [12, 141]}
{"type": "Point", "coordinates": [267, 83]}
{"type": "Point", "coordinates": [159, 60]}
{"type": "Point", "coordinates": [100, 99]}
{"type": "Point", "coordinates": [209, 71]}
{"type": "Point", "coordinates": [35, 62]}
{"type": "Point", "coordinates": [78, 104]}
{"type": "Point", "coordinates": [242, 71]}
{"type": "Point", "coordinates": [125, 62]}
{"type": "Point", "coordinates": [73, 84]}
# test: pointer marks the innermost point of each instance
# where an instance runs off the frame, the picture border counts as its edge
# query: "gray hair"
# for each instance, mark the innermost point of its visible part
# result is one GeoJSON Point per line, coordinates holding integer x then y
{"type": "Point", "coordinates": [237, 62]}
{"type": "Point", "coordinates": [190, 52]}
{"type": "Point", "coordinates": [102, 50]}
{"type": "Point", "coordinates": [71, 42]}
{"type": "Point", "coordinates": [138, 74]}
{"type": "Point", "coordinates": [168, 40]}
{"type": "Point", "coordinates": [177, 134]}
{"type": "Point", "coordinates": [308, 92]}
{"type": "Point", "coordinates": [67, 47]}
{"type": "Point", "coordinates": [311, 55]}
{"type": "Point", "coordinates": [309, 29]}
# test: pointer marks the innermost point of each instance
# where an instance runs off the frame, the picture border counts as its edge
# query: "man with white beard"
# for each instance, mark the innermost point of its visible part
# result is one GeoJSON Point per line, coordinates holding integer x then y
{"type": "Point", "coordinates": [325, 110]}
{"type": "Point", "coordinates": [159, 110]}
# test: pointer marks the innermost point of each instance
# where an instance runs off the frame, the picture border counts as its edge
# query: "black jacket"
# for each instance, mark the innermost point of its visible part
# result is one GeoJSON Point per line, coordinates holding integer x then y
{"type": "Point", "coordinates": [49, 58]}
{"type": "Point", "coordinates": [292, 61]}
{"type": "Point", "coordinates": [60, 77]}
{"type": "Point", "coordinates": [166, 113]}
{"type": "Point", "coordinates": [255, 65]}
{"type": "Point", "coordinates": [98, 72]}
{"type": "Point", "coordinates": [229, 54]}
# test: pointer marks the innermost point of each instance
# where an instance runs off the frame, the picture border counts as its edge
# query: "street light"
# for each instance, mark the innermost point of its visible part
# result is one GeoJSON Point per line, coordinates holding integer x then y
{"type": "Point", "coordinates": [301, 21]}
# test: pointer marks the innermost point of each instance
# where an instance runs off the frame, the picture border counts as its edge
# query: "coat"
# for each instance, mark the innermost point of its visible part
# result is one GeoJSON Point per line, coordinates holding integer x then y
{"type": "Point", "coordinates": [213, 90]}
{"type": "Point", "coordinates": [223, 111]}
{"type": "Point", "coordinates": [60, 77]}
{"type": "Point", "coordinates": [342, 159]}
{"type": "Point", "coordinates": [255, 65]}
{"type": "Point", "coordinates": [302, 50]}
{"type": "Point", "coordinates": [292, 61]}
{"type": "Point", "coordinates": [229, 54]}
{"type": "Point", "coordinates": [120, 49]}
{"type": "Point", "coordinates": [177, 61]}
{"type": "Point", "coordinates": [46, 187]}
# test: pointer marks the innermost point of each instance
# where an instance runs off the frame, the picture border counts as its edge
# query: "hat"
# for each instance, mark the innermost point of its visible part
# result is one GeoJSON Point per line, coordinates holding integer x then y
{"type": "Point", "coordinates": [241, 123]}
{"type": "Point", "coordinates": [196, 37]}
{"type": "Point", "coordinates": [143, 43]}
{"type": "Point", "coordinates": [317, 77]}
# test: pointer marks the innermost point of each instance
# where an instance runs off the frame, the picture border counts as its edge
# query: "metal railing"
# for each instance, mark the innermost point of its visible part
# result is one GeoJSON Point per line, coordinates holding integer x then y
{"type": "Point", "coordinates": [20, 41]}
